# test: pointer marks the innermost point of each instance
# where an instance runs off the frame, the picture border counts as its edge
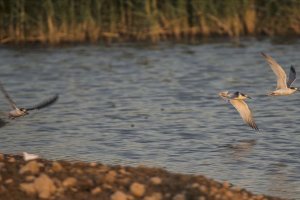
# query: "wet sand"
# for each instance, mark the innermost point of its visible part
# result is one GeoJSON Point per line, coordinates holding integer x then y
{"type": "Point", "coordinates": [46, 179]}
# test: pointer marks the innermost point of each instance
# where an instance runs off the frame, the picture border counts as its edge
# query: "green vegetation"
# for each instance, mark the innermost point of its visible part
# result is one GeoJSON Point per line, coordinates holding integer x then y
{"type": "Point", "coordinates": [56, 21]}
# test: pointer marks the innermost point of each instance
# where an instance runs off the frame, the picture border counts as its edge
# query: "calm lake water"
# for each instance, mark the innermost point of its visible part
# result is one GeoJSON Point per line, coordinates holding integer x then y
{"type": "Point", "coordinates": [159, 106]}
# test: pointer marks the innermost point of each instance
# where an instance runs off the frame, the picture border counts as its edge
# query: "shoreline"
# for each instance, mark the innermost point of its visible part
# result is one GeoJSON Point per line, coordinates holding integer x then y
{"type": "Point", "coordinates": [49, 179]}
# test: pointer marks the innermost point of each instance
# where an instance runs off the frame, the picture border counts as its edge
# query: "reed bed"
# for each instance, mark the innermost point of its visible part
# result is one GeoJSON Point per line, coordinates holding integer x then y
{"type": "Point", "coordinates": [58, 21]}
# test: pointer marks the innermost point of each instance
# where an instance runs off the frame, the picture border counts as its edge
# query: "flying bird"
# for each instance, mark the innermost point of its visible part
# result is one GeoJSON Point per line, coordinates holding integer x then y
{"type": "Point", "coordinates": [283, 85]}
{"type": "Point", "coordinates": [237, 100]}
{"type": "Point", "coordinates": [19, 112]}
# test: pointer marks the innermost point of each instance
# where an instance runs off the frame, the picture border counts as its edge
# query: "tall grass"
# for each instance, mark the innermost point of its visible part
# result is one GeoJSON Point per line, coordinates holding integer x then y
{"type": "Point", "coordinates": [56, 21]}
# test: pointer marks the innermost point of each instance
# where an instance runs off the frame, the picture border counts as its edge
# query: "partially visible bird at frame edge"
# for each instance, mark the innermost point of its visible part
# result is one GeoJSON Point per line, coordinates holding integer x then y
{"type": "Point", "coordinates": [19, 111]}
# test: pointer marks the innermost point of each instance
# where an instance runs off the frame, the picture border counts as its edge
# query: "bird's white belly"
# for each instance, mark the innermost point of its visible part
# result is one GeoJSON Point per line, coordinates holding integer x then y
{"type": "Point", "coordinates": [282, 92]}
{"type": "Point", "coordinates": [16, 113]}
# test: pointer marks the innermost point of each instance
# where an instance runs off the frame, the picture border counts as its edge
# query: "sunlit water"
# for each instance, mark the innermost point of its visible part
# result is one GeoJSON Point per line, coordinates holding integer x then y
{"type": "Point", "coordinates": [158, 106]}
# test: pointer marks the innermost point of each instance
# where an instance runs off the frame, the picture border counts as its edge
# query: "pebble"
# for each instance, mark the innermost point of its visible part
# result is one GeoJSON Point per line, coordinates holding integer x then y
{"type": "Point", "coordinates": [124, 181]}
{"type": "Point", "coordinates": [154, 196]}
{"type": "Point", "coordinates": [123, 171]}
{"type": "Point", "coordinates": [11, 160]}
{"type": "Point", "coordinates": [1, 157]}
{"type": "Point", "coordinates": [110, 176]}
{"type": "Point", "coordinates": [28, 188]}
{"type": "Point", "coordinates": [69, 182]}
{"type": "Point", "coordinates": [29, 178]}
{"type": "Point", "coordinates": [2, 165]}
{"type": "Point", "coordinates": [118, 195]}
{"type": "Point", "coordinates": [195, 185]}
{"type": "Point", "coordinates": [56, 166]}
{"type": "Point", "coordinates": [96, 190]}
{"type": "Point", "coordinates": [9, 181]}
{"type": "Point", "coordinates": [44, 186]}
{"type": "Point", "coordinates": [137, 189]}
{"type": "Point", "coordinates": [229, 194]}
{"type": "Point", "coordinates": [155, 180]}
{"type": "Point", "coordinates": [31, 167]}
{"type": "Point", "coordinates": [203, 188]}
{"type": "Point", "coordinates": [179, 197]}
{"type": "Point", "coordinates": [93, 164]}
{"type": "Point", "coordinates": [103, 169]}
{"type": "Point", "coordinates": [226, 184]}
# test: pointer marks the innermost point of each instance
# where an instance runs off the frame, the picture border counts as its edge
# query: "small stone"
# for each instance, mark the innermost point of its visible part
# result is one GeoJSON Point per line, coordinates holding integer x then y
{"type": "Point", "coordinates": [0, 178]}
{"type": "Point", "coordinates": [155, 180]}
{"type": "Point", "coordinates": [56, 166]}
{"type": "Point", "coordinates": [93, 164]}
{"type": "Point", "coordinates": [31, 167]}
{"type": "Point", "coordinates": [124, 181]}
{"type": "Point", "coordinates": [96, 190]}
{"type": "Point", "coordinates": [118, 195]}
{"type": "Point", "coordinates": [29, 178]}
{"type": "Point", "coordinates": [195, 185]}
{"type": "Point", "coordinates": [69, 182]}
{"type": "Point", "coordinates": [130, 197]}
{"type": "Point", "coordinates": [154, 196]}
{"type": "Point", "coordinates": [11, 160]}
{"type": "Point", "coordinates": [28, 188]}
{"type": "Point", "coordinates": [202, 198]}
{"type": "Point", "coordinates": [102, 168]}
{"type": "Point", "coordinates": [44, 186]}
{"type": "Point", "coordinates": [1, 157]}
{"type": "Point", "coordinates": [226, 184]}
{"type": "Point", "coordinates": [78, 171]}
{"type": "Point", "coordinates": [203, 188]}
{"type": "Point", "coordinates": [213, 191]}
{"type": "Point", "coordinates": [123, 171]}
{"type": "Point", "coordinates": [179, 197]}
{"type": "Point", "coordinates": [229, 194]}
{"type": "Point", "coordinates": [106, 186]}
{"type": "Point", "coordinates": [137, 189]}
{"type": "Point", "coordinates": [2, 165]}
{"type": "Point", "coordinates": [8, 181]}
{"type": "Point", "coordinates": [110, 176]}
{"type": "Point", "coordinates": [2, 189]}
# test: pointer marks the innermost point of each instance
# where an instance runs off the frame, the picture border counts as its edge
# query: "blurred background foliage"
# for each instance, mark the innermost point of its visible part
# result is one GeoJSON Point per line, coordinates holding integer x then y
{"type": "Point", "coordinates": [57, 21]}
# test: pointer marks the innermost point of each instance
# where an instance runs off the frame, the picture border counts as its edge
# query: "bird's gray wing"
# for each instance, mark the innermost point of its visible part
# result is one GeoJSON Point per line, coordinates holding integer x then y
{"type": "Point", "coordinates": [9, 99]}
{"type": "Point", "coordinates": [245, 112]}
{"type": "Point", "coordinates": [277, 69]}
{"type": "Point", "coordinates": [44, 103]}
{"type": "Point", "coordinates": [292, 76]}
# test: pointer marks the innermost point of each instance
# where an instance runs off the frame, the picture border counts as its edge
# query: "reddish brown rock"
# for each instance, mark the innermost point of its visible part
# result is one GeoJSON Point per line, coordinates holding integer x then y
{"type": "Point", "coordinates": [32, 167]}
{"type": "Point", "coordinates": [44, 186]}
{"type": "Point", "coordinates": [137, 189]}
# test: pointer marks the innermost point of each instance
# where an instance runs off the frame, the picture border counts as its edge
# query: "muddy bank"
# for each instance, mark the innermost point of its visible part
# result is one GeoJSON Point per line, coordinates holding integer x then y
{"type": "Point", "coordinates": [46, 179]}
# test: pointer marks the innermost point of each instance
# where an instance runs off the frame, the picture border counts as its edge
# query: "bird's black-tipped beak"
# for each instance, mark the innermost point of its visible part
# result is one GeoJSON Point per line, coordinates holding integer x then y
{"type": "Point", "coordinates": [249, 97]}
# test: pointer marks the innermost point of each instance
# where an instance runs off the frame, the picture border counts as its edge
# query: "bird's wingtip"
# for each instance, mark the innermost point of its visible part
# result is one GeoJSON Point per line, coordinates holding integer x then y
{"type": "Point", "coordinates": [293, 68]}
{"type": "Point", "coordinates": [263, 54]}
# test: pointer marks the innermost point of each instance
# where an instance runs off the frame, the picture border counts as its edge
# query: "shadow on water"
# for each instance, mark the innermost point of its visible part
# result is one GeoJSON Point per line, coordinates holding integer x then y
{"type": "Point", "coordinates": [3, 123]}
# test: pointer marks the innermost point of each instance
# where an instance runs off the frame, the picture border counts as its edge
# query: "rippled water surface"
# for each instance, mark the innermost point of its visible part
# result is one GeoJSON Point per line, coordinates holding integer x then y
{"type": "Point", "coordinates": [158, 106]}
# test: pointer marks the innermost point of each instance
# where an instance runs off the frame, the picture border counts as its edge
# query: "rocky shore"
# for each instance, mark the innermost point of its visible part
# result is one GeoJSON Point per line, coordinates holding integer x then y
{"type": "Point", "coordinates": [46, 179]}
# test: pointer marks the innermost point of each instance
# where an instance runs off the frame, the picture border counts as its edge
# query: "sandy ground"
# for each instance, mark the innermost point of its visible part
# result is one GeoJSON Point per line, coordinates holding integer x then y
{"type": "Point", "coordinates": [46, 179]}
